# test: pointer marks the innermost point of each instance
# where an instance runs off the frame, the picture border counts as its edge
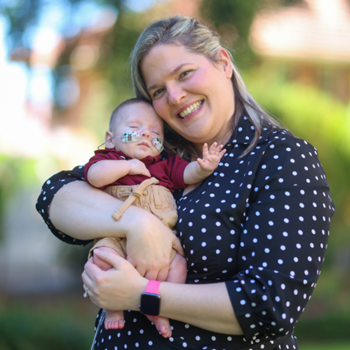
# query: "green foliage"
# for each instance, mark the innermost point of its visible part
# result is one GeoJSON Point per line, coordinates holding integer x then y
{"type": "Point", "coordinates": [232, 20]}
{"type": "Point", "coordinates": [326, 317]}
{"type": "Point", "coordinates": [42, 327]}
{"type": "Point", "coordinates": [322, 121]}
{"type": "Point", "coordinates": [15, 173]}
{"type": "Point", "coordinates": [331, 327]}
{"type": "Point", "coordinates": [336, 345]}
{"type": "Point", "coordinates": [23, 19]}
{"type": "Point", "coordinates": [237, 12]}
{"type": "Point", "coordinates": [115, 86]}
{"type": "Point", "coordinates": [21, 15]}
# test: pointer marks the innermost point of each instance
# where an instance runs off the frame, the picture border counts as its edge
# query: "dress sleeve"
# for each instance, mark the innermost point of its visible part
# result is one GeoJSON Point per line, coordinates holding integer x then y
{"type": "Point", "coordinates": [49, 189]}
{"type": "Point", "coordinates": [283, 240]}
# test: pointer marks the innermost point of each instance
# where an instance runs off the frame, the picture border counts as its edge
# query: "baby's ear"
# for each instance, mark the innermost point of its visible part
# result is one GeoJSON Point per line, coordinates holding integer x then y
{"type": "Point", "coordinates": [109, 140]}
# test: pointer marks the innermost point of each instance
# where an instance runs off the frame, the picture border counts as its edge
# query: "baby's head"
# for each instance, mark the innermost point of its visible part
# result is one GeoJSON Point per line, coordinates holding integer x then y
{"type": "Point", "coordinates": [135, 129]}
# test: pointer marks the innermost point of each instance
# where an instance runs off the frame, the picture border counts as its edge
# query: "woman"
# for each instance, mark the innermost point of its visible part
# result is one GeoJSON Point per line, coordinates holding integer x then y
{"type": "Point", "coordinates": [254, 233]}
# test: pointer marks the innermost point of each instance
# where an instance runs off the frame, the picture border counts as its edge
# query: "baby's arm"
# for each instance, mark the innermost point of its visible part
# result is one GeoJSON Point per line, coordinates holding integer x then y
{"type": "Point", "coordinates": [107, 171]}
{"type": "Point", "coordinates": [199, 170]}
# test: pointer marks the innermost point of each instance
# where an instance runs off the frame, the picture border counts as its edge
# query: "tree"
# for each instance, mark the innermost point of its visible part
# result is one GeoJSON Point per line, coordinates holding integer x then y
{"type": "Point", "coordinates": [232, 20]}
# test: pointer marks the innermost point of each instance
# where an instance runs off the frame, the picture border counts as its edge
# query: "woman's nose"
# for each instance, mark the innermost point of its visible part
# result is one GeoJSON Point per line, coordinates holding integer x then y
{"type": "Point", "coordinates": [175, 95]}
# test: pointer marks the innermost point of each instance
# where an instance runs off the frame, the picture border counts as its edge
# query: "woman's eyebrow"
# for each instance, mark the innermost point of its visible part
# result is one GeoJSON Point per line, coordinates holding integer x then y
{"type": "Point", "coordinates": [172, 73]}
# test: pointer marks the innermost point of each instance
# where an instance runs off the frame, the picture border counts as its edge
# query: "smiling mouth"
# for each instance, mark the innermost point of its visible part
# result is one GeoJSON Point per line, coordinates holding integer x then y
{"type": "Point", "coordinates": [190, 109]}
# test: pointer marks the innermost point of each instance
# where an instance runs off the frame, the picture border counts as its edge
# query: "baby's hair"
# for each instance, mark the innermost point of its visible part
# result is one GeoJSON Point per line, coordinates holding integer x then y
{"type": "Point", "coordinates": [125, 103]}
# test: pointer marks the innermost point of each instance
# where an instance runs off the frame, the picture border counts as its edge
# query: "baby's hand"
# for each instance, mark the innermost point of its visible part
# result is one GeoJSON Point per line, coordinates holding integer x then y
{"type": "Point", "coordinates": [211, 157]}
{"type": "Point", "coordinates": [138, 168]}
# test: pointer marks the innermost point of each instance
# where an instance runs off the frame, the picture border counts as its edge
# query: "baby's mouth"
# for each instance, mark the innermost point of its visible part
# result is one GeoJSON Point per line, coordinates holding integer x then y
{"type": "Point", "coordinates": [190, 109]}
{"type": "Point", "coordinates": [144, 144]}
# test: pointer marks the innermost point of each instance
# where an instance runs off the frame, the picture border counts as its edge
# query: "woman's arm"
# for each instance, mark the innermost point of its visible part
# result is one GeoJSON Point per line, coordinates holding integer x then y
{"type": "Point", "coordinates": [84, 212]}
{"type": "Point", "coordinates": [206, 306]}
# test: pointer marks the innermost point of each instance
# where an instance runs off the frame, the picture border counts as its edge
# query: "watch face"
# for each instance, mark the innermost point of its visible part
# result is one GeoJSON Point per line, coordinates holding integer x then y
{"type": "Point", "coordinates": [150, 304]}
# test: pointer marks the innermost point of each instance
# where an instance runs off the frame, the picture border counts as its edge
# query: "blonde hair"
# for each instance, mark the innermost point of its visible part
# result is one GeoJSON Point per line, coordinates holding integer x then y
{"type": "Point", "coordinates": [199, 39]}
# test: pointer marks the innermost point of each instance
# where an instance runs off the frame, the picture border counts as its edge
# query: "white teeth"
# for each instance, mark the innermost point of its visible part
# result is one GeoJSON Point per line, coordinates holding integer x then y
{"type": "Point", "coordinates": [190, 109]}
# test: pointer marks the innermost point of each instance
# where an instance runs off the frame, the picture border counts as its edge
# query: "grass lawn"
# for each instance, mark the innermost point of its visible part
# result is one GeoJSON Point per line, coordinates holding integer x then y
{"type": "Point", "coordinates": [324, 346]}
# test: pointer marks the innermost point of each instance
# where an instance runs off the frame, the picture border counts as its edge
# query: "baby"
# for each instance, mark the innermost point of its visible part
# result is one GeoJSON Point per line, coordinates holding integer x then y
{"type": "Point", "coordinates": [131, 169]}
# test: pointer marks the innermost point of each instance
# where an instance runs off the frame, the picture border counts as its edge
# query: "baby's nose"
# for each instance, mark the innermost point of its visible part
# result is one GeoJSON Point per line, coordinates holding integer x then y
{"type": "Point", "coordinates": [146, 132]}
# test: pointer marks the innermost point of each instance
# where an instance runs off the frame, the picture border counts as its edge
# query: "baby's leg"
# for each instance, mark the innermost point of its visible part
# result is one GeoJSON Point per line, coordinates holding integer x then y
{"type": "Point", "coordinates": [114, 319]}
{"type": "Point", "coordinates": [103, 265]}
{"type": "Point", "coordinates": [177, 274]}
{"type": "Point", "coordinates": [177, 270]}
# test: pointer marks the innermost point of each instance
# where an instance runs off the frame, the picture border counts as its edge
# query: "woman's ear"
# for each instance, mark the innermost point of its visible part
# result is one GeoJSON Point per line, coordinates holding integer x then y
{"type": "Point", "coordinates": [109, 140]}
{"type": "Point", "coordinates": [224, 61]}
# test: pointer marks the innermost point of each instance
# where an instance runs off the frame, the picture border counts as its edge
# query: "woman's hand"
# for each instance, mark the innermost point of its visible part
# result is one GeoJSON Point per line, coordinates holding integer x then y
{"type": "Point", "coordinates": [149, 244]}
{"type": "Point", "coordinates": [119, 288]}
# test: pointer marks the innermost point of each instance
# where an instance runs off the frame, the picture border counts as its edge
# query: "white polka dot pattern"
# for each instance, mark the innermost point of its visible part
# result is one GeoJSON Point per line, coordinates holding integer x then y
{"type": "Point", "coordinates": [260, 224]}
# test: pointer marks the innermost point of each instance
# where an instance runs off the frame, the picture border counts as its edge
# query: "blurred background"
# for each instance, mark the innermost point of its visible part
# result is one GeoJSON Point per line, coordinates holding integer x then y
{"type": "Point", "coordinates": [64, 68]}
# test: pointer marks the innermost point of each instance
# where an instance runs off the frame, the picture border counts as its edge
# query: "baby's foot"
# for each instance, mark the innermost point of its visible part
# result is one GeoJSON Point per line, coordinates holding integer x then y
{"type": "Point", "coordinates": [114, 320]}
{"type": "Point", "coordinates": [162, 324]}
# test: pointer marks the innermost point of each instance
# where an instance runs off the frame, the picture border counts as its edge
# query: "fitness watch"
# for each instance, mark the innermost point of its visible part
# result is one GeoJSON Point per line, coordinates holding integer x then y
{"type": "Point", "coordinates": [150, 299]}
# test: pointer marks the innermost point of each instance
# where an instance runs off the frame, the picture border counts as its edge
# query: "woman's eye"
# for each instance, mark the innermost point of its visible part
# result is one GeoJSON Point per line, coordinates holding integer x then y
{"type": "Point", "coordinates": [186, 72]}
{"type": "Point", "coordinates": [157, 92]}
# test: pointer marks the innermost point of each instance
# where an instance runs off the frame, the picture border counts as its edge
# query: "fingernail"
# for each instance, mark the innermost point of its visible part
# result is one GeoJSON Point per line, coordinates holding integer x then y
{"type": "Point", "coordinates": [98, 252]}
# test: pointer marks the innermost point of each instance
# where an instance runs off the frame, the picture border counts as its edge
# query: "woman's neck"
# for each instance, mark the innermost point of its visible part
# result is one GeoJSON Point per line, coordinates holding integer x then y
{"type": "Point", "coordinates": [222, 138]}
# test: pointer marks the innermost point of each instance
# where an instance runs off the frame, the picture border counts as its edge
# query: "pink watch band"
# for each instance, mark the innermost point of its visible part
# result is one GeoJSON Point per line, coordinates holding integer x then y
{"type": "Point", "coordinates": [152, 287]}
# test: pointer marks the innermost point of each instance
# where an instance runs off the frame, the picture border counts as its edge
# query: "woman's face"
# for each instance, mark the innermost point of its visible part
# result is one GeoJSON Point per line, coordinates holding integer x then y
{"type": "Point", "coordinates": [191, 93]}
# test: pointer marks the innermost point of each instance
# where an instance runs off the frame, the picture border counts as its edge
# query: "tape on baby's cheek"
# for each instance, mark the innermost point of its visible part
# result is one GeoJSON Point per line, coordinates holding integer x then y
{"type": "Point", "coordinates": [130, 136]}
{"type": "Point", "coordinates": [133, 136]}
{"type": "Point", "coordinates": [157, 144]}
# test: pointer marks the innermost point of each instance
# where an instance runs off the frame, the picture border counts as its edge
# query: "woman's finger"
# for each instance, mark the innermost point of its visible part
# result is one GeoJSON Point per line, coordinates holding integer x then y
{"type": "Point", "coordinates": [112, 259]}
{"type": "Point", "coordinates": [91, 269]}
{"type": "Point", "coordinates": [87, 281]}
{"type": "Point", "coordinates": [151, 274]}
{"type": "Point", "coordinates": [141, 269]}
{"type": "Point", "coordinates": [177, 246]}
{"type": "Point", "coordinates": [162, 275]}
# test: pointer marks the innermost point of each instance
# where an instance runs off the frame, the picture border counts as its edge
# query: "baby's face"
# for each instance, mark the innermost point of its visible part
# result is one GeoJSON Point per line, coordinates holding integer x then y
{"type": "Point", "coordinates": [141, 118]}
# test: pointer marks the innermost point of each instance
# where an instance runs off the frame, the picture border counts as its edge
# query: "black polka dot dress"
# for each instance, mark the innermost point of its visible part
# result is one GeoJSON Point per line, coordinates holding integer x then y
{"type": "Point", "coordinates": [259, 223]}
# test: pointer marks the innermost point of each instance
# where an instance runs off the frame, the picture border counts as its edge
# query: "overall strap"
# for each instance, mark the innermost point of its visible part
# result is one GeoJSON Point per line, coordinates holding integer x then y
{"type": "Point", "coordinates": [135, 194]}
